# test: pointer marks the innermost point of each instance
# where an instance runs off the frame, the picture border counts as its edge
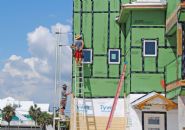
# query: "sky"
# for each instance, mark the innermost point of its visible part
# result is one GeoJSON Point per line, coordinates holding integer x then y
{"type": "Point", "coordinates": [27, 47]}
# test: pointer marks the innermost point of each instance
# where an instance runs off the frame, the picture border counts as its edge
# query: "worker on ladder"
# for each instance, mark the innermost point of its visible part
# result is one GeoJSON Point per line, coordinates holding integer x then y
{"type": "Point", "coordinates": [78, 47]}
{"type": "Point", "coordinates": [63, 101]}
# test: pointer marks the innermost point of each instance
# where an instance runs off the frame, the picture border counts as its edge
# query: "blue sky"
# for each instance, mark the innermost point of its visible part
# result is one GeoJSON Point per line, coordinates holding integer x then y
{"type": "Point", "coordinates": [27, 52]}
{"type": "Point", "coordinates": [18, 17]}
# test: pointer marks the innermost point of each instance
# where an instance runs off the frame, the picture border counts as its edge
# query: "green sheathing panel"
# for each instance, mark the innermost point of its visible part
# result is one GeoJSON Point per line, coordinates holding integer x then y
{"type": "Point", "coordinates": [100, 78]}
{"type": "Point", "coordinates": [101, 87]}
{"type": "Point", "coordinates": [100, 67]}
{"type": "Point", "coordinates": [127, 44]}
{"type": "Point", "coordinates": [146, 72]}
{"type": "Point", "coordinates": [146, 82]}
{"type": "Point", "coordinates": [127, 84]}
{"type": "Point", "coordinates": [77, 23]}
{"type": "Point", "coordinates": [114, 43]}
{"type": "Point", "coordinates": [114, 32]}
{"type": "Point", "coordinates": [87, 5]}
{"type": "Point", "coordinates": [87, 29]}
{"type": "Point", "coordinates": [114, 70]}
{"type": "Point", "coordinates": [179, 67]}
{"type": "Point", "coordinates": [100, 33]}
{"type": "Point", "coordinates": [150, 64]}
{"type": "Point", "coordinates": [174, 93]}
{"type": "Point", "coordinates": [163, 52]}
{"type": "Point", "coordinates": [77, 5]}
{"type": "Point", "coordinates": [147, 33]}
{"type": "Point", "coordinates": [128, 24]}
{"type": "Point", "coordinates": [100, 5]}
{"type": "Point", "coordinates": [127, 54]}
{"type": "Point", "coordinates": [157, 18]}
{"type": "Point", "coordinates": [128, 63]}
{"type": "Point", "coordinates": [114, 5]}
{"type": "Point", "coordinates": [136, 60]}
{"type": "Point", "coordinates": [172, 40]}
{"type": "Point", "coordinates": [173, 72]}
{"type": "Point", "coordinates": [172, 6]}
{"type": "Point", "coordinates": [172, 31]}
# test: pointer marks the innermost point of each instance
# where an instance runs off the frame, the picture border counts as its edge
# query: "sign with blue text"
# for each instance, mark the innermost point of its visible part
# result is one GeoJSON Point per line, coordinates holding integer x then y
{"type": "Point", "coordinates": [100, 107]}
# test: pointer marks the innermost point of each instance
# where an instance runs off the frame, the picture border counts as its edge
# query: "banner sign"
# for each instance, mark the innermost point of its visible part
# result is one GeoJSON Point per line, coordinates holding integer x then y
{"type": "Point", "coordinates": [100, 107]}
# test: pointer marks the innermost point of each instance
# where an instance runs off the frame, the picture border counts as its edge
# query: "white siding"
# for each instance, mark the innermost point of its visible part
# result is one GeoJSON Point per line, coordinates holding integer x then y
{"type": "Point", "coordinates": [181, 107]}
{"type": "Point", "coordinates": [172, 120]}
{"type": "Point", "coordinates": [135, 115]}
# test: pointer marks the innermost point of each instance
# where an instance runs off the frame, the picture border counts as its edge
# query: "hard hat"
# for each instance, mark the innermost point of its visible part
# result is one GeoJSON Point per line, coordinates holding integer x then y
{"type": "Point", "coordinates": [64, 86]}
{"type": "Point", "coordinates": [78, 36]}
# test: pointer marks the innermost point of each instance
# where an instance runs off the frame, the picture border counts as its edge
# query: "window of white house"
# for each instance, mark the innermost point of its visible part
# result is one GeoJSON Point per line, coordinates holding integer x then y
{"type": "Point", "coordinates": [114, 56]}
{"type": "Point", "coordinates": [153, 128]}
{"type": "Point", "coordinates": [149, 47]}
{"type": "Point", "coordinates": [154, 120]}
{"type": "Point", "coordinates": [87, 56]}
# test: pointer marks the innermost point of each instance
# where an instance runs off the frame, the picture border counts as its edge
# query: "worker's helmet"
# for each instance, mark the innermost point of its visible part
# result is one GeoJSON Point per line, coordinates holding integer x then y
{"type": "Point", "coordinates": [64, 86]}
{"type": "Point", "coordinates": [78, 36]}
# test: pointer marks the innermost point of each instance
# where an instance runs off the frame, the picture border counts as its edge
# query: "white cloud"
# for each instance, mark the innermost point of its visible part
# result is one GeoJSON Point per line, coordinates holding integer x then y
{"type": "Point", "coordinates": [33, 77]}
{"type": "Point", "coordinates": [41, 42]}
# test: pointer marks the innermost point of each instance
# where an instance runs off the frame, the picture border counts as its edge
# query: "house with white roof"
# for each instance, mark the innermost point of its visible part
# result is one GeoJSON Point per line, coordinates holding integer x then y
{"type": "Point", "coordinates": [22, 117]}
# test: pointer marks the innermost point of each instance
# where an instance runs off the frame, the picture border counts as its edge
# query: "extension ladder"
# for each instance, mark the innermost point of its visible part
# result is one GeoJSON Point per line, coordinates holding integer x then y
{"type": "Point", "coordinates": [79, 111]}
{"type": "Point", "coordinates": [90, 114]}
{"type": "Point", "coordinates": [116, 97]}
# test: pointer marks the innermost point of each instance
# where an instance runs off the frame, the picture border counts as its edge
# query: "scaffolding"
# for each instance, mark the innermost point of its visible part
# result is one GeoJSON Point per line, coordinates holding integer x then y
{"type": "Point", "coordinates": [61, 42]}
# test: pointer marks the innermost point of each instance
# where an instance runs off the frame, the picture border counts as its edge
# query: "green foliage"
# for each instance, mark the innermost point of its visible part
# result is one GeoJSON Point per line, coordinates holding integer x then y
{"type": "Point", "coordinates": [8, 112]}
{"type": "Point", "coordinates": [44, 119]}
{"type": "Point", "coordinates": [34, 112]}
{"type": "Point", "coordinates": [41, 118]}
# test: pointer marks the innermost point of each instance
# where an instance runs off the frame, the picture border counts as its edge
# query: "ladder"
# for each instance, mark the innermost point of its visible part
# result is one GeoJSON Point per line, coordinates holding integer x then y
{"type": "Point", "coordinates": [116, 97]}
{"type": "Point", "coordinates": [79, 112]}
{"type": "Point", "coordinates": [90, 114]}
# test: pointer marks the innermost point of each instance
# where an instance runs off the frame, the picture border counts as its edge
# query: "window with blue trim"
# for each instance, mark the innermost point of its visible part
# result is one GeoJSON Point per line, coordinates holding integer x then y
{"type": "Point", "coordinates": [114, 56]}
{"type": "Point", "coordinates": [149, 47]}
{"type": "Point", "coordinates": [87, 56]}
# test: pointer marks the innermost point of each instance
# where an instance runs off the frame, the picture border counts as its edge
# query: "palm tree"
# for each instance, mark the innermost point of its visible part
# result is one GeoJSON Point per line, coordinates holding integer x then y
{"type": "Point", "coordinates": [8, 112]}
{"type": "Point", "coordinates": [44, 120]}
{"type": "Point", "coordinates": [35, 112]}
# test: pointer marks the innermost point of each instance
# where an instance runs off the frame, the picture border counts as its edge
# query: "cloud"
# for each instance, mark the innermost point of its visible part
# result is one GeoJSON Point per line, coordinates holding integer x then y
{"type": "Point", "coordinates": [32, 78]}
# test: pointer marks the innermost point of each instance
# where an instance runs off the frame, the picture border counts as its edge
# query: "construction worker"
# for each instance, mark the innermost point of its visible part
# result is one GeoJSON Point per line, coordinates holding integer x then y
{"type": "Point", "coordinates": [78, 47]}
{"type": "Point", "coordinates": [64, 95]}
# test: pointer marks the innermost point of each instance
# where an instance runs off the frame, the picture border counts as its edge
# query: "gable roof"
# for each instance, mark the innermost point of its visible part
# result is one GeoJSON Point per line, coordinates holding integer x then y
{"type": "Point", "coordinates": [154, 99]}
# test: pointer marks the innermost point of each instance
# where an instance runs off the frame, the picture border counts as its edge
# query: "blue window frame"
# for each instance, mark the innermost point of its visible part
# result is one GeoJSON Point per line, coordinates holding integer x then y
{"type": "Point", "coordinates": [87, 56]}
{"type": "Point", "coordinates": [149, 47]}
{"type": "Point", "coordinates": [114, 56]}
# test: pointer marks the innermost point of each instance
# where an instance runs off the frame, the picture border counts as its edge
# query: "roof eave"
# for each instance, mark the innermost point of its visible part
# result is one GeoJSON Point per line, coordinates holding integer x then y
{"type": "Point", "coordinates": [126, 8]}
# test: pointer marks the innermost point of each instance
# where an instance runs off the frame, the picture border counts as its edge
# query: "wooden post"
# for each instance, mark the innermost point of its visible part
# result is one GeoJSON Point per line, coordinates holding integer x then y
{"type": "Point", "coordinates": [179, 39]}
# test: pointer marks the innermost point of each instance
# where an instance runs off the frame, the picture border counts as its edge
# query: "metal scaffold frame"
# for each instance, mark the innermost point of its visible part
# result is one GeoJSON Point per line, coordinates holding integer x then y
{"type": "Point", "coordinates": [58, 76]}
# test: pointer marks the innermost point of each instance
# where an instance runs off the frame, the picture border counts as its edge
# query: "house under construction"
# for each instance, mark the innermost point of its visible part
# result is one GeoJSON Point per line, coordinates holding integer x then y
{"type": "Point", "coordinates": [149, 36]}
